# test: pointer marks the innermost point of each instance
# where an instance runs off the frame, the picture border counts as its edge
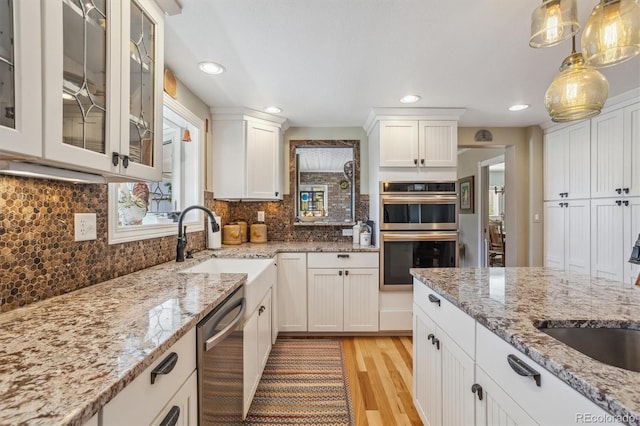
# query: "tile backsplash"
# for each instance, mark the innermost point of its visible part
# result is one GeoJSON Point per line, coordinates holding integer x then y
{"type": "Point", "coordinates": [40, 259]}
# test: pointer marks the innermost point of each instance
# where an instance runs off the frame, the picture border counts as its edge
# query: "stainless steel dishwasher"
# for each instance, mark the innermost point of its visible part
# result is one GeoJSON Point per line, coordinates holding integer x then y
{"type": "Point", "coordinates": [220, 363]}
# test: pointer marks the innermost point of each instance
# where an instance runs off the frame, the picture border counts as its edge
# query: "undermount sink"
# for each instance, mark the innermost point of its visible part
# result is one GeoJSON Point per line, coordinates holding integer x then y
{"type": "Point", "coordinates": [261, 275]}
{"type": "Point", "coordinates": [619, 347]}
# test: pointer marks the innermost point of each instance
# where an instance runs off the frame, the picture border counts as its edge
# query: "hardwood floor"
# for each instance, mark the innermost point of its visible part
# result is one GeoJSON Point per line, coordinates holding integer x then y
{"type": "Point", "coordinates": [379, 371]}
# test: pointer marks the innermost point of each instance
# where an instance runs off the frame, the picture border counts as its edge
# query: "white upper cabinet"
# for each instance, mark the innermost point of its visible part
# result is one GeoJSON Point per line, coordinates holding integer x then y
{"type": "Point", "coordinates": [247, 155]}
{"type": "Point", "coordinates": [566, 163]}
{"type": "Point", "coordinates": [411, 143]}
{"type": "Point", "coordinates": [103, 64]}
{"type": "Point", "coordinates": [20, 78]}
{"type": "Point", "coordinates": [615, 153]}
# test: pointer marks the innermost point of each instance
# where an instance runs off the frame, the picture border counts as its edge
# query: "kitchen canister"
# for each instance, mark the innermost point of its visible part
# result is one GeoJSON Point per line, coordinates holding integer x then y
{"type": "Point", "coordinates": [365, 238]}
{"type": "Point", "coordinates": [231, 234]}
{"type": "Point", "coordinates": [258, 233]}
{"type": "Point", "coordinates": [244, 236]}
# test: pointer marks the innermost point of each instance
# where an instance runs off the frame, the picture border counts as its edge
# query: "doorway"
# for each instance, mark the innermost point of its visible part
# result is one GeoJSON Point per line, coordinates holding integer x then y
{"type": "Point", "coordinates": [492, 238]}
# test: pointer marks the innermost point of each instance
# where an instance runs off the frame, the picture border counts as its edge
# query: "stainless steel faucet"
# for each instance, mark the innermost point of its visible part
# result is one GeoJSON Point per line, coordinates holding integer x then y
{"type": "Point", "coordinates": [182, 234]}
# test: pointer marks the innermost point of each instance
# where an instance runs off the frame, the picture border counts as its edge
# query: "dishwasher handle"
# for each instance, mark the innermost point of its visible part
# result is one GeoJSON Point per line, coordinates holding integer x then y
{"type": "Point", "coordinates": [222, 334]}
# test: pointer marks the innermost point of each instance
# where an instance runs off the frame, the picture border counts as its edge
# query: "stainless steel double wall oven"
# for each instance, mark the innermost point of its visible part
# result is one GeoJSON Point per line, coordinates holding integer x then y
{"type": "Point", "coordinates": [418, 229]}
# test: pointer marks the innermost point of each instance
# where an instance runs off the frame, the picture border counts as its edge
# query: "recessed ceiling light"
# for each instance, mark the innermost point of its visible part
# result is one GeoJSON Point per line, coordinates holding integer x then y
{"type": "Point", "coordinates": [519, 107]}
{"type": "Point", "coordinates": [211, 67]}
{"type": "Point", "coordinates": [409, 99]}
{"type": "Point", "coordinates": [273, 110]}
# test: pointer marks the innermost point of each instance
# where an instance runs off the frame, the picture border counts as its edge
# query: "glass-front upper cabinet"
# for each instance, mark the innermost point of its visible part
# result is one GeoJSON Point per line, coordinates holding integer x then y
{"type": "Point", "coordinates": [20, 79]}
{"type": "Point", "coordinates": [86, 92]}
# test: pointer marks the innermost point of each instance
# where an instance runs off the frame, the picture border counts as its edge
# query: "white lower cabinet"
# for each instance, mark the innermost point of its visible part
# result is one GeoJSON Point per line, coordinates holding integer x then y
{"type": "Point", "coordinates": [256, 348]}
{"type": "Point", "coordinates": [451, 388]}
{"type": "Point", "coordinates": [182, 410]}
{"type": "Point", "coordinates": [342, 292]}
{"type": "Point", "coordinates": [292, 292]}
{"type": "Point", "coordinates": [142, 402]}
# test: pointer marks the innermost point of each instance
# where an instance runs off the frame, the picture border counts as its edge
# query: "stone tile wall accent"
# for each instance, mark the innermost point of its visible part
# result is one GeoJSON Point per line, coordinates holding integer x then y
{"type": "Point", "coordinates": [38, 257]}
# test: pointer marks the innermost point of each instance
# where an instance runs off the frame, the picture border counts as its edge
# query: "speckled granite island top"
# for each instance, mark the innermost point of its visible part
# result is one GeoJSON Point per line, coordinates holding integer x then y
{"type": "Point", "coordinates": [64, 358]}
{"type": "Point", "coordinates": [511, 302]}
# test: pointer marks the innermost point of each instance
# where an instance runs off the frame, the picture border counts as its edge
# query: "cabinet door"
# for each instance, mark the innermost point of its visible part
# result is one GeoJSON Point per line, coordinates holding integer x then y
{"type": "Point", "coordinates": [554, 165]}
{"type": "Point", "coordinates": [292, 291]}
{"type": "Point", "coordinates": [325, 301]}
{"type": "Point", "coordinates": [577, 214]}
{"type": "Point", "coordinates": [632, 149]}
{"type": "Point", "coordinates": [554, 234]}
{"type": "Point", "coordinates": [81, 68]}
{"type": "Point", "coordinates": [457, 380]}
{"type": "Point", "coordinates": [438, 144]}
{"type": "Point", "coordinates": [142, 59]}
{"type": "Point", "coordinates": [578, 141]}
{"type": "Point", "coordinates": [607, 154]}
{"type": "Point", "coordinates": [427, 395]}
{"type": "Point", "coordinates": [607, 238]}
{"type": "Point", "coordinates": [631, 234]}
{"type": "Point", "coordinates": [184, 405]}
{"type": "Point", "coordinates": [264, 332]}
{"type": "Point", "coordinates": [263, 161]}
{"type": "Point", "coordinates": [496, 406]}
{"type": "Point", "coordinates": [399, 144]}
{"type": "Point", "coordinates": [250, 355]}
{"type": "Point", "coordinates": [361, 299]}
{"type": "Point", "coordinates": [20, 78]}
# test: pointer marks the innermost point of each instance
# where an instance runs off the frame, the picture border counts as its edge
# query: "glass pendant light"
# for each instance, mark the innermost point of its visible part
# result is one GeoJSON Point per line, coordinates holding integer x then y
{"type": "Point", "coordinates": [553, 22]}
{"type": "Point", "coordinates": [612, 34]}
{"type": "Point", "coordinates": [578, 92]}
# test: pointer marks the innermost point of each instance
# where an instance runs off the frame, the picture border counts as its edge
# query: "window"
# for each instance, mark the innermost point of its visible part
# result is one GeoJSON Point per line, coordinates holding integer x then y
{"type": "Point", "coordinates": [141, 210]}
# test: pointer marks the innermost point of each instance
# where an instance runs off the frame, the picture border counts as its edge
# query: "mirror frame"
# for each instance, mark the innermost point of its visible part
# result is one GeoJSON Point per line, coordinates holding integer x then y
{"type": "Point", "coordinates": [355, 181]}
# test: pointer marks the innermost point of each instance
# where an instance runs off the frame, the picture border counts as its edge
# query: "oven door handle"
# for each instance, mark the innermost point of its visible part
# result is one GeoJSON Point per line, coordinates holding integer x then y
{"type": "Point", "coordinates": [222, 334]}
{"type": "Point", "coordinates": [419, 236]}
{"type": "Point", "coordinates": [430, 199]}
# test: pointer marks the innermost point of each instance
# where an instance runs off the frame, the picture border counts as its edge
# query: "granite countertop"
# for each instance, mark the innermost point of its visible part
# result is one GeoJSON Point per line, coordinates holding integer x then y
{"type": "Point", "coordinates": [64, 358]}
{"type": "Point", "coordinates": [512, 301]}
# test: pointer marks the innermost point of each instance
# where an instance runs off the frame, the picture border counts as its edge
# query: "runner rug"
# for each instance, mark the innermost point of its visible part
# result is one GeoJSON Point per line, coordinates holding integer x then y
{"type": "Point", "coordinates": [304, 383]}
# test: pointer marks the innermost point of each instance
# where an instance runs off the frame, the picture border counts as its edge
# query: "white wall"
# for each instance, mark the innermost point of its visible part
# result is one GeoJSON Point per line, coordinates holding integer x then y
{"type": "Point", "coordinates": [329, 133]}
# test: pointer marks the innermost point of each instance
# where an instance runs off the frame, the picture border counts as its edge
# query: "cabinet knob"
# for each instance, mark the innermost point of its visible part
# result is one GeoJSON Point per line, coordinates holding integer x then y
{"type": "Point", "coordinates": [561, 194]}
{"type": "Point", "coordinates": [477, 389]}
{"type": "Point", "coordinates": [340, 273]}
{"type": "Point", "coordinates": [115, 158]}
{"type": "Point", "coordinates": [277, 193]}
{"type": "Point", "coordinates": [626, 203]}
{"type": "Point", "coordinates": [415, 161]}
{"type": "Point", "coordinates": [566, 204]}
{"type": "Point", "coordinates": [346, 272]}
{"type": "Point", "coordinates": [625, 190]}
{"type": "Point", "coordinates": [561, 204]}
{"type": "Point", "coordinates": [566, 194]}
{"type": "Point", "coordinates": [165, 367]}
{"type": "Point", "coordinates": [422, 161]}
{"type": "Point", "coordinates": [619, 190]}
{"type": "Point", "coordinates": [618, 202]}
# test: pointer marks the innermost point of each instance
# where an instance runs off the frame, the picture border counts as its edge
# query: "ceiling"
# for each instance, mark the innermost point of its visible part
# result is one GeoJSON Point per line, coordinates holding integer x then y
{"type": "Point", "coordinates": [326, 63]}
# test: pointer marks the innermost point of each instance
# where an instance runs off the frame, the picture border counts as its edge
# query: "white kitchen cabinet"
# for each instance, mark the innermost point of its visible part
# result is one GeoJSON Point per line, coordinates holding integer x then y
{"type": "Point", "coordinates": [182, 409]}
{"type": "Point", "coordinates": [141, 401]}
{"type": "Point", "coordinates": [615, 226]}
{"type": "Point", "coordinates": [342, 292]}
{"type": "Point", "coordinates": [536, 396]}
{"type": "Point", "coordinates": [20, 79]}
{"type": "Point", "coordinates": [444, 367]}
{"type": "Point", "coordinates": [567, 238]}
{"type": "Point", "coordinates": [496, 406]}
{"type": "Point", "coordinates": [256, 348]}
{"type": "Point", "coordinates": [247, 156]}
{"type": "Point", "coordinates": [615, 153]}
{"type": "Point", "coordinates": [418, 143]}
{"type": "Point", "coordinates": [567, 163]}
{"type": "Point", "coordinates": [103, 87]}
{"type": "Point", "coordinates": [292, 292]}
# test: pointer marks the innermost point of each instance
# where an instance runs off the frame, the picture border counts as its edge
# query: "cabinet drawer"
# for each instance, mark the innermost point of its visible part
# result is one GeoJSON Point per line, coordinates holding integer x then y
{"type": "Point", "coordinates": [343, 260]}
{"type": "Point", "coordinates": [458, 325]}
{"type": "Point", "coordinates": [140, 401]}
{"type": "Point", "coordinates": [552, 403]}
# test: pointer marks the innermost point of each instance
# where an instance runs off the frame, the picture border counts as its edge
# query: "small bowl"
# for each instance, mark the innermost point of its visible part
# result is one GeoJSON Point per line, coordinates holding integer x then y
{"type": "Point", "coordinates": [308, 218]}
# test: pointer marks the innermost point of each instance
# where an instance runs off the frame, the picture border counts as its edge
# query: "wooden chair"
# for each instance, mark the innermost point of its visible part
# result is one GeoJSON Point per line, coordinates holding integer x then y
{"type": "Point", "coordinates": [496, 243]}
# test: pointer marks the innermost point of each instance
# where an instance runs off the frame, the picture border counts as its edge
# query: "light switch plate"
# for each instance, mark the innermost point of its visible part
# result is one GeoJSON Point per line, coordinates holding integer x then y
{"type": "Point", "coordinates": [84, 226]}
{"type": "Point", "coordinates": [260, 216]}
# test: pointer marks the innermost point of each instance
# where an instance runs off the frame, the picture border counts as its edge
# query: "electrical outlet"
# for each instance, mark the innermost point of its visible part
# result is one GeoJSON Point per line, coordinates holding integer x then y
{"type": "Point", "coordinates": [84, 226]}
{"type": "Point", "coordinates": [260, 216]}
{"type": "Point", "coordinates": [348, 232]}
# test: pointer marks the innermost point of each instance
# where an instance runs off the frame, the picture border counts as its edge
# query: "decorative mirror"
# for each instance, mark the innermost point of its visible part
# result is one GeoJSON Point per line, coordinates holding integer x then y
{"type": "Point", "coordinates": [325, 184]}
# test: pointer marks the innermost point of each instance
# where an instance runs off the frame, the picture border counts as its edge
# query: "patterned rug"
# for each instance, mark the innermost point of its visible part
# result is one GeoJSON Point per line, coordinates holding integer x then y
{"type": "Point", "coordinates": [304, 383]}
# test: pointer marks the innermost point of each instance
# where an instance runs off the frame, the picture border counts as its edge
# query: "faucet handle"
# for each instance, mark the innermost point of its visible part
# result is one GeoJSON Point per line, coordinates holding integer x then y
{"type": "Point", "coordinates": [189, 254]}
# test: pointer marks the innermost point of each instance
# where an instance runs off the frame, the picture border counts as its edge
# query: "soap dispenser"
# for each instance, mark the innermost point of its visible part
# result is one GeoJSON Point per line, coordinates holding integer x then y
{"type": "Point", "coordinates": [356, 232]}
